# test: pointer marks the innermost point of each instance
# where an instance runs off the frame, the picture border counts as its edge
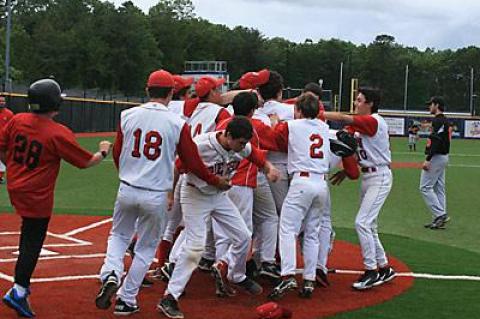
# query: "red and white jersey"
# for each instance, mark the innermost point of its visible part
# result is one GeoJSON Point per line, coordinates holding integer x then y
{"type": "Point", "coordinates": [150, 136]}
{"type": "Point", "coordinates": [220, 161]}
{"type": "Point", "coordinates": [177, 107]}
{"type": "Point", "coordinates": [308, 145]}
{"type": "Point", "coordinates": [285, 112]}
{"type": "Point", "coordinates": [205, 116]}
{"type": "Point", "coordinates": [371, 132]}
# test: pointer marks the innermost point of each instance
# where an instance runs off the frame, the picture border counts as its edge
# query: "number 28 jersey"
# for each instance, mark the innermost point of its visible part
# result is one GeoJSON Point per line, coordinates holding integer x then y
{"type": "Point", "coordinates": [34, 146]}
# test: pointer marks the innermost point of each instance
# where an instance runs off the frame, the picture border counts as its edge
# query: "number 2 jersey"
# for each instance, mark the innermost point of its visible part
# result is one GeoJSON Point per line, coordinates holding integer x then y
{"type": "Point", "coordinates": [34, 146]}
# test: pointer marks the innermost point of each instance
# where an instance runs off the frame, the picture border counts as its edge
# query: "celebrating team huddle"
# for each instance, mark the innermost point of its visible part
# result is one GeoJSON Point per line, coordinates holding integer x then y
{"type": "Point", "coordinates": [228, 183]}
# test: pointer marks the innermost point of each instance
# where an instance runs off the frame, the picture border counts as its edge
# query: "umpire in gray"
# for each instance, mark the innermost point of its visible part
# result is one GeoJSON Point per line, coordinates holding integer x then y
{"type": "Point", "coordinates": [432, 180]}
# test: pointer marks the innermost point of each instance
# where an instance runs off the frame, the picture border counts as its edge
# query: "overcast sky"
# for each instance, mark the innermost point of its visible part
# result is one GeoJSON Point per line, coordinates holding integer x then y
{"type": "Point", "coordinates": [438, 24]}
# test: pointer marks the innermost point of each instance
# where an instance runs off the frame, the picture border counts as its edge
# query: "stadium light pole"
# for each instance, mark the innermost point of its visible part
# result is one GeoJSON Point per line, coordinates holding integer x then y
{"type": "Point", "coordinates": [340, 86]}
{"type": "Point", "coordinates": [405, 92]}
{"type": "Point", "coordinates": [8, 86]}
{"type": "Point", "coordinates": [471, 90]}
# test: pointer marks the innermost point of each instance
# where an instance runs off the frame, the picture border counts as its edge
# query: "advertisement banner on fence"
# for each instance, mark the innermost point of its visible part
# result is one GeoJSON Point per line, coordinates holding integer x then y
{"type": "Point", "coordinates": [472, 129]}
{"type": "Point", "coordinates": [396, 125]}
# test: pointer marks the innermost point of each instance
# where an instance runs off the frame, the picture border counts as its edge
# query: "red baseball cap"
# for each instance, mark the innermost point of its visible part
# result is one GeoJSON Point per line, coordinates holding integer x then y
{"type": "Point", "coordinates": [207, 83]}
{"type": "Point", "coordinates": [160, 78]}
{"type": "Point", "coordinates": [252, 80]}
{"type": "Point", "coordinates": [181, 82]}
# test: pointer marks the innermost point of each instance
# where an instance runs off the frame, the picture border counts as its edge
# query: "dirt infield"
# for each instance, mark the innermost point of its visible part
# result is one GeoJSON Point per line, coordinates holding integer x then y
{"type": "Point", "coordinates": [65, 284]}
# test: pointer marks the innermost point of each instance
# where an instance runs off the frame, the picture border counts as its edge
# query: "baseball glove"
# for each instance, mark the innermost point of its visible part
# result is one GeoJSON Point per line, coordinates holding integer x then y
{"type": "Point", "coordinates": [345, 144]}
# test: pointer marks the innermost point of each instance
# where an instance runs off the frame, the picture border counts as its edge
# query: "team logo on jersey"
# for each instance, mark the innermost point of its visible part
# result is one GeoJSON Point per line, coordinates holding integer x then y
{"type": "Point", "coordinates": [224, 169]}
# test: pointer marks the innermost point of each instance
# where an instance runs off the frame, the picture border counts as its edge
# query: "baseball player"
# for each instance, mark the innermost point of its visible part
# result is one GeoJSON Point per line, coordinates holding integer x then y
{"type": "Point", "coordinates": [202, 114]}
{"type": "Point", "coordinates": [413, 137]}
{"type": "Point", "coordinates": [221, 152]}
{"type": "Point", "coordinates": [345, 155]}
{"type": "Point", "coordinates": [432, 179]}
{"type": "Point", "coordinates": [271, 93]}
{"type": "Point", "coordinates": [5, 116]}
{"type": "Point", "coordinates": [32, 146]}
{"type": "Point", "coordinates": [306, 140]}
{"type": "Point", "coordinates": [256, 206]}
{"type": "Point", "coordinates": [374, 158]}
{"type": "Point", "coordinates": [181, 93]}
{"type": "Point", "coordinates": [144, 152]}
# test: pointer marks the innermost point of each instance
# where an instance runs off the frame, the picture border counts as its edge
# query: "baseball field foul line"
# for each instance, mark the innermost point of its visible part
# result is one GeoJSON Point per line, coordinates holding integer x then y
{"type": "Point", "coordinates": [93, 225]}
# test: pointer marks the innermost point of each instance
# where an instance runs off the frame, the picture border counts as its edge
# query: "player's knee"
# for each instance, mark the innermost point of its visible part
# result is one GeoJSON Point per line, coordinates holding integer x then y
{"type": "Point", "coordinates": [360, 225]}
{"type": "Point", "coordinates": [194, 253]}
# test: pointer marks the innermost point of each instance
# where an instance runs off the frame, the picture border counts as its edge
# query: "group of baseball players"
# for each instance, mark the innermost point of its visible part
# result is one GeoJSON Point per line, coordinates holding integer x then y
{"type": "Point", "coordinates": [227, 183]}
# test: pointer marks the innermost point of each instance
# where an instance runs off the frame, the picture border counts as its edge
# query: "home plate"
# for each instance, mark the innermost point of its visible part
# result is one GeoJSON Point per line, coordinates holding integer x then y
{"type": "Point", "coordinates": [43, 252]}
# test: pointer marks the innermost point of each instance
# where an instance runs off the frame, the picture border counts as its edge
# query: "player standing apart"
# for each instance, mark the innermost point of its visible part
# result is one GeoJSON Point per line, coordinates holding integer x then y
{"type": "Point", "coordinates": [432, 179]}
{"type": "Point", "coordinates": [32, 145]}
{"type": "Point", "coordinates": [374, 157]}
{"type": "Point", "coordinates": [144, 152]}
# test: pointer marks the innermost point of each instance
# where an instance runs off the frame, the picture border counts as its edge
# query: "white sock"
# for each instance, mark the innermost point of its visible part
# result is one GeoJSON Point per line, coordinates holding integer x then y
{"type": "Point", "coordinates": [21, 291]}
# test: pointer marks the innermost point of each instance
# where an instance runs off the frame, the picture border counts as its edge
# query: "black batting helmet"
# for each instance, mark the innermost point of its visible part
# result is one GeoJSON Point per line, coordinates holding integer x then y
{"type": "Point", "coordinates": [44, 96]}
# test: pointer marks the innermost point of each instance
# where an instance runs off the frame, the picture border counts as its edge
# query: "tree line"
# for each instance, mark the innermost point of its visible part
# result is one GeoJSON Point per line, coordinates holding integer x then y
{"type": "Point", "coordinates": [91, 44]}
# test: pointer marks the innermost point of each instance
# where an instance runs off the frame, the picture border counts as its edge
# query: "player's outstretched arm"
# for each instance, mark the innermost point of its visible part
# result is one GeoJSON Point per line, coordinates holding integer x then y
{"type": "Point", "coordinates": [104, 148]}
{"type": "Point", "coordinates": [272, 173]}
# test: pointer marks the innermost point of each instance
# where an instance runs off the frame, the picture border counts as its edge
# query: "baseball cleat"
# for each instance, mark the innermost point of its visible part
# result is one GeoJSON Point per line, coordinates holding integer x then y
{"type": "Point", "coordinates": [169, 306]}
{"type": "Point", "coordinates": [123, 309]}
{"type": "Point", "coordinates": [287, 283]}
{"type": "Point", "coordinates": [307, 289]}
{"type": "Point", "coordinates": [205, 264]}
{"type": "Point", "coordinates": [20, 304]}
{"type": "Point", "coordinates": [321, 278]}
{"type": "Point", "coordinates": [385, 274]}
{"type": "Point", "coordinates": [367, 280]}
{"type": "Point", "coordinates": [222, 288]}
{"type": "Point", "coordinates": [269, 270]}
{"type": "Point", "coordinates": [250, 286]}
{"type": "Point", "coordinates": [108, 289]}
{"type": "Point", "coordinates": [167, 271]}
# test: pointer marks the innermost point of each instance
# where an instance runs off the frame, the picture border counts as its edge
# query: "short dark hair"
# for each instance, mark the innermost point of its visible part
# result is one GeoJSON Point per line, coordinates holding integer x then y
{"type": "Point", "coordinates": [240, 127]}
{"type": "Point", "coordinates": [313, 88]}
{"type": "Point", "coordinates": [244, 103]}
{"type": "Point", "coordinates": [158, 92]}
{"type": "Point", "coordinates": [372, 95]}
{"type": "Point", "coordinates": [270, 89]}
{"type": "Point", "coordinates": [181, 93]}
{"type": "Point", "coordinates": [307, 103]}
{"type": "Point", "coordinates": [437, 100]}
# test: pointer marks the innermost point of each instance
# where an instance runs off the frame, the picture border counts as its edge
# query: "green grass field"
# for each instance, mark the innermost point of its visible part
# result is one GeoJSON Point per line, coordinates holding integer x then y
{"type": "Point", "coordinates": [454, 251]}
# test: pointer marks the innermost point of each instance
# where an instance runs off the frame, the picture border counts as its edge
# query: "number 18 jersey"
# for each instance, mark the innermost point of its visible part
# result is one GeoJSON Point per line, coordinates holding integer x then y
{"type": "Point", "coordinates": [150, 134]}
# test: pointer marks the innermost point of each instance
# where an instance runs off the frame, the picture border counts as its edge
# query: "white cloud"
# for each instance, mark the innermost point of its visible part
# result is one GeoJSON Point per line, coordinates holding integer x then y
{"type": "Point", "coordinates": [422, 23]}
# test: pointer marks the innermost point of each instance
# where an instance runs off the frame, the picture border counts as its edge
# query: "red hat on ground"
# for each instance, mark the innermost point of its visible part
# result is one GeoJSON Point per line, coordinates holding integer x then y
{"type": "Point", "coordinates": [207, 83]}
{"type": "Point", "coordinates": [272, 310]}
{"type": "Point", "coordinates": [252, 80]}
{"type": "Point", "coordinates": [160, 78]}
{"type": "Point", "coordinates": [181, 82]}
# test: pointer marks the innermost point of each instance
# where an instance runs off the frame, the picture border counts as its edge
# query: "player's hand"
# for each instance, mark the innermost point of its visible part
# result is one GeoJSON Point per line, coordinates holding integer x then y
{"type": "Point", "coordinates": [224, 183]}
{"type": "Point", "coordinates": [338, 177]}
{"type": "Point", "coordinates": [105, 146]}
{"type": "Point", "coordinates": [426, 165]}
{"type": "Point", "coordinates": [170, 198]}
{"type": "Point", "coordinates": [272, 173]}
